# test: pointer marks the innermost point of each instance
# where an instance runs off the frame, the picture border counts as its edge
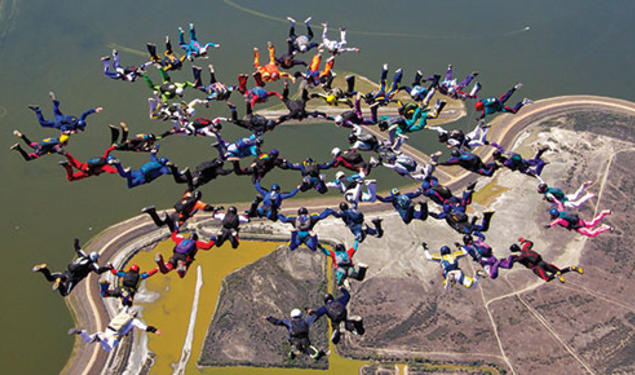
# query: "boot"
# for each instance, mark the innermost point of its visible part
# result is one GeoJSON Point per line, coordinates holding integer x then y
{"type": "Point", "coordinates": [159, 260]}
{"type": "Point", "coordinates": [358, 323]}
{"type": "Point", "coordinates": [335, 337]}
{"type": "Point", "coordinates": [377, 223]}
{"type": "Point", "coordinates": [39, 267]}
{"type": "Point", "coordinates": [361, 272]}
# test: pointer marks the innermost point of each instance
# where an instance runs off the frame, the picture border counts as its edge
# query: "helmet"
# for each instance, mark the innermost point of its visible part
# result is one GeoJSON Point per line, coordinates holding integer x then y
{"type": "Point", "coordinates": [425, 184]}
{"type": "Point", "coordinates": [296, 313]}
{"type": "Point", "coordinates": [467, 239]}
{"type": "Point", "coordinates": [134, 268]}
{"type": "Point", "coordinates": [232, 210]}
{"type": "Point", "coordinates": [343, 206]}
{"type": "Point", "coordinates": [275, 187]}
{"type": "Point", "coordinates": [64, 138]}
{"type": "Point", "coordinates": [259, 140]}
{"type": "Point", "coordinates": [308, 161]}
{"type": "Point", "coordinates": [339, 120]}
{"type": "Point", "coordinates": [302, 211]}
{"type": "Point", "coordinates": [197, 195]}
{"type": "Point", "coordinates": [553, 212]}
{"type": "Point", "coordinates": [496, 154]}
{"type": "Point", "coordinates": [479, 105]}
{"type": "Point", "coordinates": [443, 137]}
{"type": "Point", "coordinates": [340, 175]}
{"type": "Point", "coordinates": [335, 152]}
{"type": "Point", "coordinates": [352, 138]}
{"type": "Point", "coordinates": [275, 76]}
{"type": "Point", "coordinates": [179, 91]}
{"type": "Point", "coordinates": [194, 236]}
{"type": "Point", "coordinates": [163, 161]}
{"type": "Point", "coordinates": [274, 152]}
{"type": "Point", "coordinates": [445, 250]}
{"type": "Point", "coordinates": [218, 162]}
{"type": "Point", "coordinates": [151, 137]}
{"type": "Point", "coordinates": [394, 191]}
{"type": "Point", "coordinates": [340, 247]}
{"type": "Point", "coordinates": [542, 188]}
{"type": "Point", "coordinates": [93, 256]}
{"type": "Point", "coordinates": [455, 153]}
{"type": "Point", "coordinates": [514, 248]}
{"type": "Point", "coordinates": [328, 297]}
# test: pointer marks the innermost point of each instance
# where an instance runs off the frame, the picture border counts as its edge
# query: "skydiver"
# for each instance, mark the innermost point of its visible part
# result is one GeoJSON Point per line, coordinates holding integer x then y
{"type": "Point", "coordinates": [46, 146]}
{"type": "Point", "coordinates": [167, 90]}
{"type": "Point", "coordinates": [257, 124]}
{"type": "Point", "coordinates": [437, 192]}
{"type": "Point", "coordinates": [458, 220]}
{"type": "Point", "coordinates": [271, 201]}
{"type": "Point", "coordinates": [269, 72]}
{"type": "Point", "coordinates": [382, 96]}
{"type": "Point", "coordinates": [342, 260]}
{"type": "Point", "coordinates": [515, 162]}
{"type": "Point", "coordinates": [456, 137]}
{"type": "Point", "coordinates": [142, 142]}
{"type": "Point", "coordinates": [263, 164]}
{"type": "Point", "coordinates": [483, 255]}
{"type": "Point", "coordinates": [335, 95]}
{"type": "Point", "coordinates": [170, 61]}
{"type": "Point", "coordinates": [354, 220]}
{"type": "Point", "coordinates": [351, 187]}
{"type": "Point", "coordinates": [288, 60]}
{"type": "Point", "coordinates": [354, 116]}
{"type": "Point", "coordinates": [492, 105]}
{"type": "Point", "coordinates": [256, 94]}
{"type": "Point", "coordinates": [452, 87]}
{"type": "Point", "coordinates": [301, 43]}
{"type": "Point", "coordinates": [128, 283]}
{"type": "Point", "coordinates": [333, 46]}
{"type": "Point", "coordinates": [117, 328]}
{"type": "Point", "coordinates": [76, 271]}
{"type": "Point", "coordinates": [184, 251]}
{"type": "Point", "coordinates": [313, 76]}
{"type": "Point", "coordinates": [200, 126]}
{"type": "Point", "coordinates": [241, 148]}
{"type": "Point", "coordinates": [336, 311]}
{"type": "Point", "coordinates": [194, 48]}
{"type": "Point", "coordinates": [93, 167]}
{"type": "Point", "coordinates": [570, 201]}
{"type": "Point", "coordinates": [417, 91]}
{"type": "Point", "coordinates": [71, 124]}
{"type": "Point", "coordinates": [303, 224]}
{"type": "Point", "coordinates": [406, 166]}
{"type": "Point", "coordinates": [297, 108]}
{"type": "Point", "coordinates": [532, 260]}
{"type": "Point", "coordinates": [186, 207]}
{"type": "Point", "coordinates": [571, 220]}
{"type": "Point", "coordinates": [403, 204]}
{"type": "Point", "coordinates": [298, 334]}
{"type": "Point", "coordinates": [203, 173]}
{"type": "Point", "coordinates": [353, 160]}
{"type": "Point", "coordinates": [361, 140]}
{"type": "Point", "coordinates": [129, 73]}
{"type": "Point", "coordinates": [471, 162]}
{"type": "Point", "coordinates": [162, 111]}
{"type": "Point", "coordinates": [215, 90]}
{"type": "Point", "coordinates": [231, 221]}
{"type": "Point", "coordinates": [147, 173]}
{"type": "Point", "coordinates": [402, 125]}
{"type": "Point", "coordinates": [449, 262]}
{"type": "Point", "coordinates": [311, 177]}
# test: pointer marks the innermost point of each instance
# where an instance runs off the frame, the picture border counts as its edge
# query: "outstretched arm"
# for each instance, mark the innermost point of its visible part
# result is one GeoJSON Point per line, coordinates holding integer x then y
{"type": "Point", "coordinates": [78, 249]}
{"type": "Point", "coordinates": [286, 219]}
{"type": "Point", "coordinates": [432, 257]}
{"type": "Point", "coordinates": [290, 194]}
{"type": "Point", "coordinates": [326, 213]}
{"type": "Point", "coordinates": [259, 188]}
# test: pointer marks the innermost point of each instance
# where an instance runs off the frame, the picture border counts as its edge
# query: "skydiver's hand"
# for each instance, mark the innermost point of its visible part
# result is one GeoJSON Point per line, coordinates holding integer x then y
{"type": "Point", "coordinates": [457, 244]}
{"type": "Point", "coordinates": [76, 243]}
{"type": "Point", "coordinates": [547, 226]}
{"type": "Point", "coordinates": [158, 333]}
{"type": "Point", "coordinates": [425, 245]}
{"type": "Point", "coordinates": [99, 109]}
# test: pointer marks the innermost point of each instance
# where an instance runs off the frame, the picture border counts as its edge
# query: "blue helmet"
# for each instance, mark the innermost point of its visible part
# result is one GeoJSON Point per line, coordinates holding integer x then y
{"type": "Point", "coordinates": [163, 160]}
{"type": "Point", "coordinates": [275, 187]}
{"type": "Point", "coordinates": [445, 250]}
{"type": "Point", "coordinates": [274, 152]}
{"type": "Point", "coordinates": [394, 191]}
{"type": "Point", "coordinates": [553, 212]}
{"type": "Point", "coordinates": [425, 184]}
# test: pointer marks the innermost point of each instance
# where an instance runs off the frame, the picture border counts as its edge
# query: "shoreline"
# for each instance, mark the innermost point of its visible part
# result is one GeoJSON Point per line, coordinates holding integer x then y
{"type": "Point", "coordinates": [116, 242]}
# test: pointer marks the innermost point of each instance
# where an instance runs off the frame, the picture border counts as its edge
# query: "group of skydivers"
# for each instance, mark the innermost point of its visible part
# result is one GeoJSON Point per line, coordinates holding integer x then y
{"type": "Point", "coordinates": [355, 187]}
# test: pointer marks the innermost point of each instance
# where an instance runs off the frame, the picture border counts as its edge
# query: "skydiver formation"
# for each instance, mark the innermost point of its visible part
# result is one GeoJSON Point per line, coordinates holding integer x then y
{"type": "Point", "coordinates": [316, 84]}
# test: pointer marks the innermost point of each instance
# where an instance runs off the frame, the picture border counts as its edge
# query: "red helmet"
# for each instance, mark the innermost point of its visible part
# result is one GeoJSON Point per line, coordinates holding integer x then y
{"type": "Point", "coordinates": [479, 105]}
{"type": "Point", "coordinates": [134, 268]}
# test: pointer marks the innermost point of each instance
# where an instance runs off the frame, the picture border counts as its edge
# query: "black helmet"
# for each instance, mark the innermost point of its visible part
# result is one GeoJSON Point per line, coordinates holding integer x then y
{"type": "Point", "coordinates": [343, 206]}
{"type": "Point", "coordinates": [232, 210]}
{"type": "Point", "coordinates": [308, 161]}
{"type": "Point", "coordinates": [467, 239]}
{"type": "Point", "coordinates": [194, 236]}
{"type": "Point", "coordinates": [455, 152]}
{"type": "Point", "coordinates": [443, 137]}
{"type": "Point", "coordinates": [302, 211]}
{"type": "Point", "coordinates": [340, 247]}
{"type": "Point", "coordinates": [514, 248]}
{"type": "Point", "coordinates": [328, 298]}
{"type": "Point", "coordinates": [542, 188]}
{"type": "Point", "coordinates": [497, 154]}
{"type": "Point", "coordinates": [352, 138]}
{"type": "Point", "coordinates": [197, 195]}
{"type": "Point", "coordinates": [445, 250]}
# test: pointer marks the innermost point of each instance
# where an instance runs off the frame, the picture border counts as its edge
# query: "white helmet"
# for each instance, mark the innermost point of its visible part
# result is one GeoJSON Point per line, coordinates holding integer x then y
{"type": "Point", "coordinates": [339, 175]}
{"type": "Point", "coordinates": [179, 91]}
{"type": "Point", "coordinates": [93, 256]}
{"type": "Point", "coordinates": [296, 313]}
{"type": "Point", "coordinates": [339, 120]}
{"type": "Point", "coordinates": [335, 152]}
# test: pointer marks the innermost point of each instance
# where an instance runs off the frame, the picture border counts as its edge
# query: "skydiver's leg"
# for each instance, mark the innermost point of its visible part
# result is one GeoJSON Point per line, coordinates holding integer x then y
{"type": "Point", "coordinates": [43, 122]}
{"type": "Point", "coordinates": [25, 155]}
{"type": "Point", "coordinates": [295, 241]}
{"type": "Point", "coordinates": [396, 80]}
{"type": "Point", "coordinates": [48, 275]}
{"type": "Point", "coordinates": [595, 220]}
{"type": "Point", "coordinates": [507, 95]}
{"type": "Point", "coordinates": [56, 109]}
{"type": "Point", "coordinates": [484, 226]}
{"type": "Point", "coordinates": [448, 73]}
{"type": "Point", "coordinates": [542, 273]}
{"type": "Point", "coordinates": [578, 193]}
{"type": "Point", "coordinates": [151, 210]}
{"type": "Point", "coordinates": [422, 212]}
{"type": "Point", "coordinates": [593, 232]}
{"type": "Point", "coordinates": [467, 80]}
{"type": "Point", "coordinates": [192, 33]}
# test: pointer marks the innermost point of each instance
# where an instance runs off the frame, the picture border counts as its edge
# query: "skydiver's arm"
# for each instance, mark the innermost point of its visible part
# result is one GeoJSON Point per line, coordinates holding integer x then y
{"type": "Point", "coordinates": [294, 166]}
{"type": "Point", "coordinates": [78, 249]}
{"type": "Point", "coordinates": [385, 200]}
{"type": "Point", "coordinates": [460, 253]}
{"type": "Point", "coordinates": [328, 165]}
{"type": "Point", "coordinates": [243, 219]}
{"type": "Point", "coordinates": [414, 194]}
{"type": "Point", "coordinates": [432, 257]}
{"type": "Point", "coordinates": [145, 275]}
{"type": "Point", "coordinates": [286, 219]}
{"type": "Point", "coordinates": [319, 312]}
{"type": "Point", "coordinates": [290, 194]}
{"type": "Point", "coordinates": [345, 297]}
{"type": "Point", "coordinates": [204, 245]}
{"type": "Point", "coordinates": [176, 237]}
{"type": "Point", "coordinates": [326, 213]}
{"type": "Point", "coordinates": [259, 188]}
{"type": "Point", "coordinates": [102, 269]}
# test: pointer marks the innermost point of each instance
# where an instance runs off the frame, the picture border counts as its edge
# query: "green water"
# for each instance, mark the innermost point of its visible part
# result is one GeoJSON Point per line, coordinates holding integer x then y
{"type": "Point", "coordinates": [573, 47]}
